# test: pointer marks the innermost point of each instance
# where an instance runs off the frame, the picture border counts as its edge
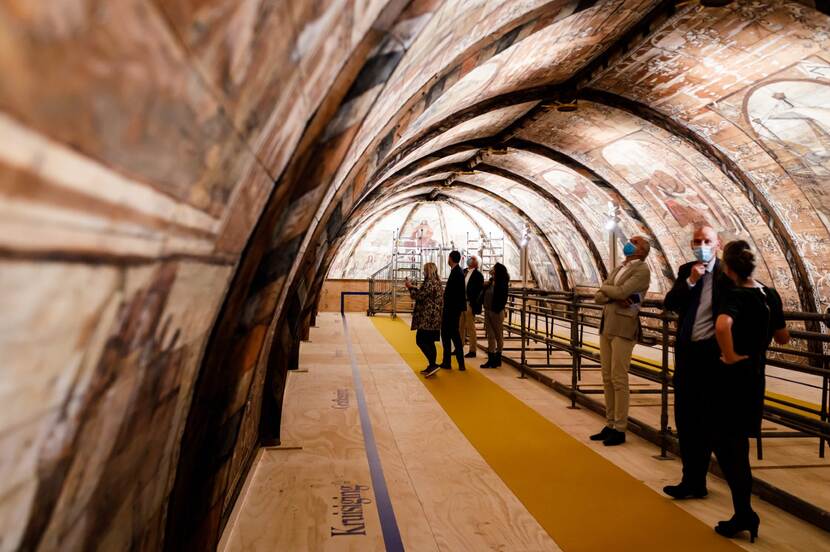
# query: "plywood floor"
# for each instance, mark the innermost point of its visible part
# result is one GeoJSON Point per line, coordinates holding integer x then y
{"type": "Point", "coordinates": [791, 464]}
{"type": "Point", "coordinates": [294, 496]}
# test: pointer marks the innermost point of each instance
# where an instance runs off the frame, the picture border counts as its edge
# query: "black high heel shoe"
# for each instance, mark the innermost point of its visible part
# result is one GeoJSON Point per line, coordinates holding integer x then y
{"type": "Point", "coordinates": [732, 527]}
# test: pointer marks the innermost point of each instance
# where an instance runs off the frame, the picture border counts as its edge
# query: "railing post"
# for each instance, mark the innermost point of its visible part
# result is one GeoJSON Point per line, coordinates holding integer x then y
{"type": "Point", "coordinates": [575, 352]}
{"type": "Point", "coordinates": [824, 414]}
{"type": "Point", "coordinates": [395, 287]}
{"type": "Point", "coordinates": [524, 333]}
{"type": "Point", "coordinates": [371, 308]}
{"type": "Point", "coordinates": [664, 387]}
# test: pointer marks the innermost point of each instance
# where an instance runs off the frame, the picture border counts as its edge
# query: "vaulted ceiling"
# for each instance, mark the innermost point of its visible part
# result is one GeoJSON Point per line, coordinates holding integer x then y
{"type": "Point", "coordinates": [178, 176]}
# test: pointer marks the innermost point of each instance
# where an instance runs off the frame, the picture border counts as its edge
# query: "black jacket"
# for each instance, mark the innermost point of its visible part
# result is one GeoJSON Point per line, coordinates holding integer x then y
{"type": "Point", "coordinates": [474, 289]}
{"type": "Point", "coordinates": [677, 299]}
{"type": "Point", "coordinates": [455, 298]}
{"type": "Point", "coordinates": [499, 292]}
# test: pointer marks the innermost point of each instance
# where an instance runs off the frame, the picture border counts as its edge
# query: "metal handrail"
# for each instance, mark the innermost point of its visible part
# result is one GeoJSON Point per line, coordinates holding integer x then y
{"type": "Point", "coordinates": [578, 311]}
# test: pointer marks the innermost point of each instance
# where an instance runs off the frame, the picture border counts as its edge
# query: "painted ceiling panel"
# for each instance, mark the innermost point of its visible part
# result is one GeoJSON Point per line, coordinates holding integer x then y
{"type": "Point", "coordinates": [421, 224]}
{"type": "Point", "coordinates": [450, 159]}
{"type": "Point", "coordinates": [587, 201]}
{"type": "Point", "coordinates": [545, 58]}
{"type": "Point", "coordinates": [544, 268]}
{"type": "Point", "coordinates": [371, 245]}
{"type": "Point", "coordinates": [556, 227]}
{"type": "Point", "coordinates": [752, 84]}
{"type": "Point", "coordinates": [488, 124]}
{"type": "Point", "coordinates": [671, 184]}
{"type": "Point", "coordinates": [451, 35]}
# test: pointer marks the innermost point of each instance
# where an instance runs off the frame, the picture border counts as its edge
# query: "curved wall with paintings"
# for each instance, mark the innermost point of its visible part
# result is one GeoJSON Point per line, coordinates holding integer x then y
{"type": "Point", "coordinates": [178, 178]}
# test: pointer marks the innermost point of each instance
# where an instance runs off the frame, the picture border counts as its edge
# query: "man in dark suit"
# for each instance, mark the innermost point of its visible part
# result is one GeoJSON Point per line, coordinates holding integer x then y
{"type": "Point", "coordinates": [455, 302]}
{"type": "Point", "coordinates": [694, 297]}
{"type": "Point", "coordinates": [474, 282]}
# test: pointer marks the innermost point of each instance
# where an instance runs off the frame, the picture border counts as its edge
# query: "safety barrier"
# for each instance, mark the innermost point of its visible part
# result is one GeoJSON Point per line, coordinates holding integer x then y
{"type": "Point", "coordinates": [544, 322]}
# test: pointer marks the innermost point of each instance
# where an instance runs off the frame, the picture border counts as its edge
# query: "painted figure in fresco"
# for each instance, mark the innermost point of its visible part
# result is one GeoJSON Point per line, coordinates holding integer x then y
{"type": "Point", "coordinates": [675, 196]}
{"type": "Point", "coordinates": [662, 183]}
{"type": "Point", "coordinates": [621, 294]}
{"type": "Point", "coordinates": [422, 235]}
{"type": "Point", "coordinates": [795, 116]}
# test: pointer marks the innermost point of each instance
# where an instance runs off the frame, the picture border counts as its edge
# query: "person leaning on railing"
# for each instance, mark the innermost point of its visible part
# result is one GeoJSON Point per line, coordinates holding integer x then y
{"type": "Point", "coordinates": [749, 316]}
{"type": "Point", "coordinates": [494, 299]}
{"type": "Point", "coordinates": [426, 314]}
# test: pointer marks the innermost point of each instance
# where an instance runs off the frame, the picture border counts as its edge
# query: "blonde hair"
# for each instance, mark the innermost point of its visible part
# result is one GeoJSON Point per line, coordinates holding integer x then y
{"type": "Point", "coordinates": [430, 271]}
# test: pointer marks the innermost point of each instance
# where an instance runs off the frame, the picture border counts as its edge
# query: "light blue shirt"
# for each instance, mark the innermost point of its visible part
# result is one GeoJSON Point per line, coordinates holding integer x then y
{"type": "Point", "coordinates": [704, 327]}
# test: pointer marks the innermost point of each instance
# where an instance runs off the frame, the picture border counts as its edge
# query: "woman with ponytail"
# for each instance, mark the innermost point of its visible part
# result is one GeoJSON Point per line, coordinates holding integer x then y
{"type": "Point", "coordinates": [749, 316]}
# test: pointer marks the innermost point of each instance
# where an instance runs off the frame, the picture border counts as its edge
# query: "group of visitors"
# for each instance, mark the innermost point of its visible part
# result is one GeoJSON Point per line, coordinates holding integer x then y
{"type": "Point", "coordinates": [726, 322]}
{"type": "Point", "coordinates": [450, 315]}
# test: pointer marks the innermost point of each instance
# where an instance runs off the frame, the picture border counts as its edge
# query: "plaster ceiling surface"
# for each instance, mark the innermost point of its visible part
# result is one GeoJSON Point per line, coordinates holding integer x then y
{"type": "Point", "coordinates": [484, 125]}
{"type": "Point", "coordinates": [448, 160]}
{"type": "Point", "coordinates": [546, 58]}
{"type": "Point", "coordinates": [425, 225]}
{"type": "Point", "coordinates": [178, 178]}
{"type": "Point", "coordinates": [751, 82]}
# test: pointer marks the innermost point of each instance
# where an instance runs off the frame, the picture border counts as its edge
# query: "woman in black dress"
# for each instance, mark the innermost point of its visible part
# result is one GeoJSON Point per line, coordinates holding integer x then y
{"type": "Point", "coordinates": [750, 314]}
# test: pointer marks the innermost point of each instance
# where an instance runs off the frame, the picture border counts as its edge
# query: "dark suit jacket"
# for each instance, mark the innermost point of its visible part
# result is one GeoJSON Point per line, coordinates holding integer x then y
{"type": "Point", "coordinates": [455, 297]}
{"type": "Point", "coordinates": [474, 289]}
{"type": "Point", "coordinates": [677, 299]}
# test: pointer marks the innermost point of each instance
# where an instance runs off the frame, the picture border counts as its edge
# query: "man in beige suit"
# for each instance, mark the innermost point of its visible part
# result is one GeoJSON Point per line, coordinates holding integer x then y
{"type": "Point", "coordinates": [621, 293]}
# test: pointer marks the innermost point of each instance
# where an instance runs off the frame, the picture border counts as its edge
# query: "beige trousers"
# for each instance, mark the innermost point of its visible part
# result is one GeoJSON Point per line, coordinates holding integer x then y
{"type": "Point", "coordinates": [615, 358]}
{"type": "Point", "coordinates": [494, 329]}
{"type": "Point", "coordinates": [467, 328]}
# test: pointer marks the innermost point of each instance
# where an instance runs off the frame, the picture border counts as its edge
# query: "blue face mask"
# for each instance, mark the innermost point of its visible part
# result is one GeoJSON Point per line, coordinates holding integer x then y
{"type": "Point", "coordinates": [703, 253]}
{"type": "Point", "coordinates": [629, 249]}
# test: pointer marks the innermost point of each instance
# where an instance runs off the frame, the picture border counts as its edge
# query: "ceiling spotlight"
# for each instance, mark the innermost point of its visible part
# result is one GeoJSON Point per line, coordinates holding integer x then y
{"type": "Point", "coordinates": [496, 150]}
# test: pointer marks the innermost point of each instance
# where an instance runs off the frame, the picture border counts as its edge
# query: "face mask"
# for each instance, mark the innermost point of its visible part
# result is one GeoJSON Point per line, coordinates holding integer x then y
{"type": "Point", "coordinates": [703, 253]}
{"type": "Point", "coordinates": [470, 262]}
{"type": "Point", "coordinates": [629, 249]}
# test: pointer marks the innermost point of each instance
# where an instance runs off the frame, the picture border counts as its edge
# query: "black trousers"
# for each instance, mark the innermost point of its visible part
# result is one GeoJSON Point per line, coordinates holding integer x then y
{"type": "Point", "coordinates": [451, 335]}
{"type": "Point", "coordinates": [732, 452]}
{"type": "Point", "coordinates": [696, 371]}
{"type": "Point", "coordinates": [425, 339]}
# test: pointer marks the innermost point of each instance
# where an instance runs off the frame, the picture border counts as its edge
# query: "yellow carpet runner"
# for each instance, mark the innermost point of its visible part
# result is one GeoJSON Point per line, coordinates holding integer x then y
{"type": "Point", "coordinates": [582, 500]}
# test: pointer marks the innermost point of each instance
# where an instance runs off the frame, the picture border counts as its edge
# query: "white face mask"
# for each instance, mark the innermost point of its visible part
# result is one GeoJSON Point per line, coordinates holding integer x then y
{"type": "Point", "coordinates": [703, 253]}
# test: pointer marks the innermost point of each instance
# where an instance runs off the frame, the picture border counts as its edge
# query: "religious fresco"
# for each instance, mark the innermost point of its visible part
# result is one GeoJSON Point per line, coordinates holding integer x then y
{"type": "Point", "coordinates": [669, 183]}
{"type": "Point", "coordinates": [547, 57]}
{"type": "Point", "coordinates": [558, 229]}
{"type": "Point", "coordinates": [369, 246]}
{"type": "Point", "coordinates": [141, 141]}
{"type": "Point", "coordinates": [448, 160]}
{"type": "Point", "coordinates": [147, 145]}
{"type": "Point", "coordinates": [587, 201]}
{"type": "Point", "coordinates": [545, 271]}
{"type": "Point", "coordinates": [462, 35]}
{"type": "Point", "coordinates": [764, 109]}
{"type": "Point", "coordinates": [417, 225]}
{"type": "Point", "coordinates": [484, 125]}
{"type": "Point", "coordinates": [789, 112]}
